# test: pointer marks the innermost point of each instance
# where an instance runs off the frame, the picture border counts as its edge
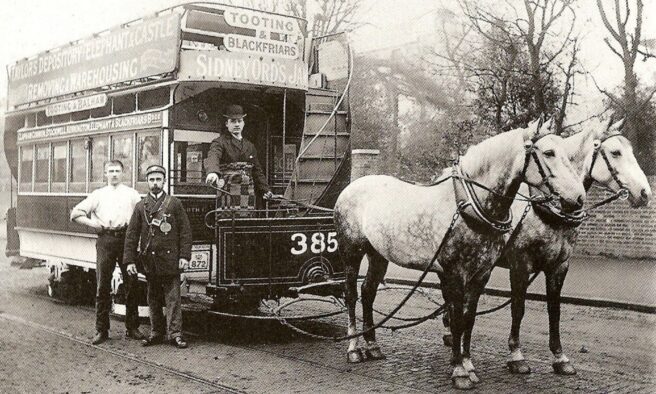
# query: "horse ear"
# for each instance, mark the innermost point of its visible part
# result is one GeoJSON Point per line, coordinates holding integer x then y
{"type": "Point", "coordinates": [532, 130]}
{"type": "Point", "coordinates": [616, 127]}
{"type": "Point", "coordinates": [547, 127]}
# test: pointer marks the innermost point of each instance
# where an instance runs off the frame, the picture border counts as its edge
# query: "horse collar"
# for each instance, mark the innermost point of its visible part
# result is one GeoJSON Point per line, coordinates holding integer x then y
{"type": "Point", "coordinates": [470, 206]}
{"type": "Point", "coordinates": [552, 214]}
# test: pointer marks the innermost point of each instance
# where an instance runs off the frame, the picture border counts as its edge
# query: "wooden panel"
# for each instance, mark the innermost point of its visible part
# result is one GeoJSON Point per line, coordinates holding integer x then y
{"type": "Point", "coordinates": [314, 122]}
{"type": "Point", "coordinates": [317, 169]}
{"type": "Point", "coordinates": [196, 209]}
{"type": "Point", "coordinates": [324, 146]}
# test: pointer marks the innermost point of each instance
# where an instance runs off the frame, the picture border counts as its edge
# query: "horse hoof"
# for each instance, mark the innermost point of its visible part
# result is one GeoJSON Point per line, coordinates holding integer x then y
{"type": "Point", "coordinates": [447, 339]}
{"type": "Point", "coordinates": [564, 368]}
{"type": "Point", "coordinates": [462, 383]}
{"type": "Point", "coordinates": [473, 377]}
{"type": "Point", "coordinates": [519, 367]}
{"type": "Point", "coordinates": [354, 356]}
{"type": "Point", "coordinates": [374, 354]}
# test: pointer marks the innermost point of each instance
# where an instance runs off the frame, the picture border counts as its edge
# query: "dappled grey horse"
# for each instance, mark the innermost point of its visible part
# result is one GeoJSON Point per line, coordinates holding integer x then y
{"type": "Point", "coordinates": [547, 237]}
{"type": "Point", "coordinates": [391, 220]}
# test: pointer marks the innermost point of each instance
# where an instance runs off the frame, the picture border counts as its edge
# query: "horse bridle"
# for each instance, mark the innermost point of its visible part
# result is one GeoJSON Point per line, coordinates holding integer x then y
{"type": "Point", "coordinates": [623, 192]}
{"type": "Point", "coordinates": [531, 153]}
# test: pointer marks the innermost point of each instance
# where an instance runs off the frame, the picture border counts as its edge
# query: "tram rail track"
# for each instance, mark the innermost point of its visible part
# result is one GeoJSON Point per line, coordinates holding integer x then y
{"type": "Point", "coordinates": [595, 376]}
{"type": "Point", "coordinates": [121, 354]}
{"type": "Point", "coordinates": [177, 372]}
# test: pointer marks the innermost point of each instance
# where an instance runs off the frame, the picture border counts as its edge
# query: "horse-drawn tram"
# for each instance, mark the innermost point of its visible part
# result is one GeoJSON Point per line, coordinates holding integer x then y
{"type": "Point", "coordinates": [153, 91]}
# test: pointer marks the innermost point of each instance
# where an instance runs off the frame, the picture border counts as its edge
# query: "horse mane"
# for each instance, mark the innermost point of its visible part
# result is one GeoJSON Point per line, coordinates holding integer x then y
{"type": "Point", "coordinates": [479, 158]}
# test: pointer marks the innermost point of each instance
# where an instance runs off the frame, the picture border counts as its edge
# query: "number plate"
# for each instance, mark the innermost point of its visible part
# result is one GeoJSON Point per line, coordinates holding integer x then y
{"type": "Point", "coordinates": [200, 261]}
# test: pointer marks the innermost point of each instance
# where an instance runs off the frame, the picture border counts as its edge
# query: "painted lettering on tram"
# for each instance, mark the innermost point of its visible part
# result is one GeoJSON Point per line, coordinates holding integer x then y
{"type": "Point", "coordinates": [236, 67]}
{"type": "Point", "coordinates": [259, 21]}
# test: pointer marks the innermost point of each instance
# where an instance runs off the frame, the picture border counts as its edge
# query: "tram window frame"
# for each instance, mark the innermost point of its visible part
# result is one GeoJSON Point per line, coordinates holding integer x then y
{"type": "Point", "coordinates": [30, 120]}
{"type": "Point", "coordinates": [140, 176]}
{"type": "Point", "coordinates": [75, 186]}
{"type": "Point", "coordinates": [124, 104]}
{"type": "Point", "coordinates": [42, 119]}
{"type": "Point", "coordinates": [57, 185]}
{"type": "Point", "coordinates": [153, 98]}
{"type": "Point", "coordinates": [128, 166]}
{"type": "Point", "coordinates": [41, 185]}
{"type": "Point", "coordinates": [101, 112]}
{"type": "Point", "coordinates": [24, 184]}
{"type": "Point", "coordinates": [94, 164]}
{"type": "Point", "coordinates": [179, 176]}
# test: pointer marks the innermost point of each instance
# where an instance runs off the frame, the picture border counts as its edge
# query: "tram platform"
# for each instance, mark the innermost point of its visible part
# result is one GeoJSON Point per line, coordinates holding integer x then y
{"type": "Point", "coordinates": [591, 280]}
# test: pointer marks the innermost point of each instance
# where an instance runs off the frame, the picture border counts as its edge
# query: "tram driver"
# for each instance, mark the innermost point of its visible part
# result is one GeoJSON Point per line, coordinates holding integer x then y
{"type": "Point", "coordinates": [108, 210]}
{"type": "Point", "coordinates": [232, 148]}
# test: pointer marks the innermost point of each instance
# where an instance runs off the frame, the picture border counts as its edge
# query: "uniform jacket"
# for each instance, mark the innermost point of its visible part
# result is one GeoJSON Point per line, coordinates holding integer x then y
{"type": "Point", "coordinates": [226, 149]}
{"type": "Point", "coordinates": [160, 253]}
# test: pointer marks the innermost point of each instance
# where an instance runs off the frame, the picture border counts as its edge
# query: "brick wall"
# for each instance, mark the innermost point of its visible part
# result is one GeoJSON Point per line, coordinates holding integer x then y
{"type": "Point", "coordinates": [618, 230]}
{"type": "Point", "coordinates": [364, 162]}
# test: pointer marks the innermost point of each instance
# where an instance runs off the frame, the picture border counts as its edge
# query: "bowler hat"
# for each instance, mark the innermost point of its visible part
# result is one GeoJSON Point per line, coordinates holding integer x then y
{"type": "Point", "coordinates": [234, 111]}
{"type": "Point", "coordinates": [155, 168]}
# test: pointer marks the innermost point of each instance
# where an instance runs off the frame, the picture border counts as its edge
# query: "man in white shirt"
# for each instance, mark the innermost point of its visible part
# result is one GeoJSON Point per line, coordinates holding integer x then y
{"type": "Point", "coordinates": [108, 210]}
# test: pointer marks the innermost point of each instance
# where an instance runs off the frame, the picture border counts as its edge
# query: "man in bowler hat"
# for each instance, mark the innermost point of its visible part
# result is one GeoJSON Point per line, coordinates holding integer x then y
{"type": "Point", "coordinates": [233, 148]}
{"type": "Point", "coordinates": [160, 228]}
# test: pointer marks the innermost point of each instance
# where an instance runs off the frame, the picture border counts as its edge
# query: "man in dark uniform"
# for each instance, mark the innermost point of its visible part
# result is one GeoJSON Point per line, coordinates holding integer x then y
{"type": "Point", "coordinates": [160, 228]}
{"type": "Point", "coordinates": [233, 148]}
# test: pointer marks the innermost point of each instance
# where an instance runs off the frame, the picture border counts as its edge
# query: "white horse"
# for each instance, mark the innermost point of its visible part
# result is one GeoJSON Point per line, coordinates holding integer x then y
{"type": "Point", "coordinates": [391, 220]}
{"type": "Point", "coordinates": [545, 243]}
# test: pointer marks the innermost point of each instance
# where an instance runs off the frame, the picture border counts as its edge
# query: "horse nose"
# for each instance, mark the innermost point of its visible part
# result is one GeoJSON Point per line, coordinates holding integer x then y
{"type": "Point", "coordinates": [579, 202]}
{"type": "Point", "coordinates": [645, 195]}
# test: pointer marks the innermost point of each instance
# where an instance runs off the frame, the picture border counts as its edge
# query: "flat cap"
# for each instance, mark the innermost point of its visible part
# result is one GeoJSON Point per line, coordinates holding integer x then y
{"type": "Point", "coordinates": [155, 168]}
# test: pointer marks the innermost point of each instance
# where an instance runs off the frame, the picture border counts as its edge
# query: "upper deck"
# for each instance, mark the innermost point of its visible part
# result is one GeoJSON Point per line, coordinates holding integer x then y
{"type": "Point", "coordinates": [190, 42]}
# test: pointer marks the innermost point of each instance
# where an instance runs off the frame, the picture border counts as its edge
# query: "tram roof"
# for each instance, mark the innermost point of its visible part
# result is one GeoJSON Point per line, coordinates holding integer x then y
{"type": "Point", "coordinates": [150, 39]}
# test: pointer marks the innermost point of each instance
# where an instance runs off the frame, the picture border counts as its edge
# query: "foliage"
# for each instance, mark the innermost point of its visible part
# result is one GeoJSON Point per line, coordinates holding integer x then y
{"type": "Point", "coordinates": [503, 85]}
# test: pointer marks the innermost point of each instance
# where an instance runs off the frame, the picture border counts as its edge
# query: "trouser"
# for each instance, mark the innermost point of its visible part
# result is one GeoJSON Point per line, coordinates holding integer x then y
{"type": "Point", "coordinates": [165, 290]}
{"type": "Point", "coordinates": [109, 251]}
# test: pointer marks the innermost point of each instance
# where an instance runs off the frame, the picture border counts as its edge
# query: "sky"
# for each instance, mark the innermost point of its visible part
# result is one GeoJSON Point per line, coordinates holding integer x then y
{"type": "Point", "coordinates": [32, 26]}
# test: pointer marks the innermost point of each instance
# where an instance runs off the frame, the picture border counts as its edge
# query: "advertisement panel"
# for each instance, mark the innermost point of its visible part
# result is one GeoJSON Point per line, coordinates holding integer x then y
{"type": "Point", "coordinates": [126, 122]}
{"type": "Point", "coordinates": [138, 51]}
{"type": "Point", "coordinates": [243, 68]}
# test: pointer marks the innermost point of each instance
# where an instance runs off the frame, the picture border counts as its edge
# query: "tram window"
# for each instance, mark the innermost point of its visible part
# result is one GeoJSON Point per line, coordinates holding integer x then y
{"type": "Point", "coordinates": [188, 171]}
{"type": "Point", "coordinates": [27, 159]}
{"type": "Point", "coordinates": [58, 167]}
{"type": "Point", "coordinates": [154, 98]}
{"type": "Point", "coordinates": [30, 120]}
{"type": "Point", "coordinates": [65, 118]}
{"type": "Point", "coordinates": [80, 115]}
{"type": "Point", "coordinates": [148, 148]}
{"type": "Point", "coordinates": [98, 159]}
{"type": "Point", "coordinates": [124, 104]}
{"type": "Point", "coordinates": [42, 118]}
{"type": "Point", "coordinates": [101, 112]}
{"type": "Point", "coordinates": [42, 168]}
{"type": "Point", "coordinates": [122, 150]}
{"type": "Point", "coordinates": [78, 171]}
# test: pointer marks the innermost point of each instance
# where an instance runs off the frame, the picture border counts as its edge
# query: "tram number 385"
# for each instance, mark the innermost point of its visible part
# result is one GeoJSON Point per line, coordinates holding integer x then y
{"type": "Point", "coordinates": [317, 243]}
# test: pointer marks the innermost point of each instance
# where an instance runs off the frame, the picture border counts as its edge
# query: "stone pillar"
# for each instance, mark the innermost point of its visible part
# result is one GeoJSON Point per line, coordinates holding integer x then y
{"type": "Point", "coordinates": [364, 162]}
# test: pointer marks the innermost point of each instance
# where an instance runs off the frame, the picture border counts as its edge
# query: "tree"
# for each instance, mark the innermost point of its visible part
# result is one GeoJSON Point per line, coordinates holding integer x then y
{"type": "Point", "coordinates": [540, 57]}
{"type": "Point", "coordinates": [626, 45]}
{"type": "Point", "coordinates": [327, 16]}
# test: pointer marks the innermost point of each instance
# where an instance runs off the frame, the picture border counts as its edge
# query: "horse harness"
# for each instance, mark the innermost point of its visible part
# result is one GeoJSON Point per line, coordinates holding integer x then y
{"type": "Point", "coordinates": [470, 206]}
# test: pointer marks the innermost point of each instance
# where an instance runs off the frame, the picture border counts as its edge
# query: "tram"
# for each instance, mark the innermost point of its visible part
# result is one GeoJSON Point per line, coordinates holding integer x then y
{"type": "Point", "coordinates": [152, 91]}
